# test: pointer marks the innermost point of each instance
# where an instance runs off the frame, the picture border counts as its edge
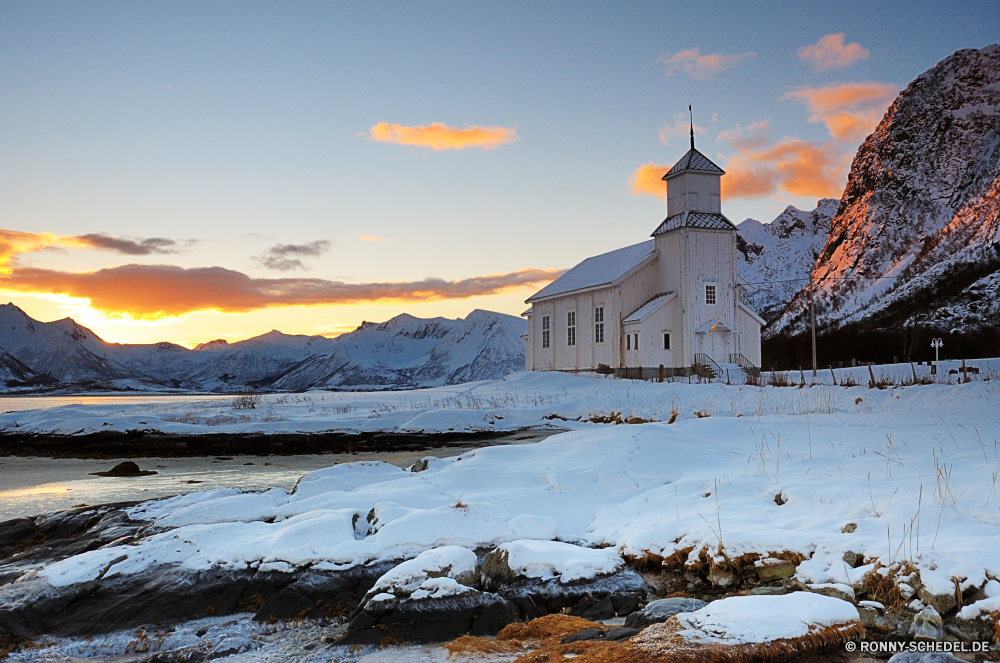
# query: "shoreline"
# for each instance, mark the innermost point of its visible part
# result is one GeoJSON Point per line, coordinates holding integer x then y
{"type": "Point", "coordinates": [156, 444]}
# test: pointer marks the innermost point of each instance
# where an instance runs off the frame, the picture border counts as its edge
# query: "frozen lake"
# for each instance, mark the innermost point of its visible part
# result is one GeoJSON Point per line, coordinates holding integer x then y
{"type": "Point", "coordinates": [21, 403]}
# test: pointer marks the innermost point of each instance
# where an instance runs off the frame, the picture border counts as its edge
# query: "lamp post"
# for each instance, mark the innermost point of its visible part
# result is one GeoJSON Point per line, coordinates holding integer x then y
{"type": "Point", "coordinates": [936, 343]}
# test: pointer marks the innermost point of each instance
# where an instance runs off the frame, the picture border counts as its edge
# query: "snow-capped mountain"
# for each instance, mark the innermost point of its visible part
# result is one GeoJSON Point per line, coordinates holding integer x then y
{"type": "Point", "coordinates": [409, 352]}
{"type": "Point", "coordinates": [403, 352]}
{"type": "Point", "coordinates": [776, 258]}
{"type": "Point", "coordinates": [917, 233]}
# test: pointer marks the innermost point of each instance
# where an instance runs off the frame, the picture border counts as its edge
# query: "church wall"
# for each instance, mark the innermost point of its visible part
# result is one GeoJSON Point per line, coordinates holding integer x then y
{"type": "Point", "coordinates": [629, 295]}
{"type": "Point", "coordinates": [711, 259]}
{"type": "Point", "coordinates": [749, 336]}
{"type": "Point", "coordinates": [529, 352]}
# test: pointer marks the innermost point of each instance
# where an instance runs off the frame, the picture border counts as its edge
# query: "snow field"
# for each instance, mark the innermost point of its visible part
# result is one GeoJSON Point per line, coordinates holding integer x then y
{"type": "Point", "coordinates": [518, 401]}
{"type": "Point", "coordinates": [912, 470]}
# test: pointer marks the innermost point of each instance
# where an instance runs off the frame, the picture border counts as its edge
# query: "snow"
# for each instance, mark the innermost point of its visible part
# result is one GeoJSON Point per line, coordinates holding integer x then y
{"type": "Point", "coordinates": [985, 606]}
{"type": "Point", "coordinates": [599, 270]}
{"type": "Point", "coordinates": [648, 307]}
{"type": "Point", "coordinates": [760, 619]}
{"type": "Point", "coordinates": [437, 588]}
{"type": "Point", "coordinates": [446, 562]}
{"type": "Point", "coordinates": [545, 560]}
{"type": "Point", "coordinates": [837, 455]}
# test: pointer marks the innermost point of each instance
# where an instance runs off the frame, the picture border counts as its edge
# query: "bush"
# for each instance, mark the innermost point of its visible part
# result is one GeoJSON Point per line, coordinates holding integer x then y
{"type": "Point", "coordinates": [247, 400]}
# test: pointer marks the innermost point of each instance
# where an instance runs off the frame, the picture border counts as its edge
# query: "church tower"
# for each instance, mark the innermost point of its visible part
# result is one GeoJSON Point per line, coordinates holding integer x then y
{"type": "Point", "coordinates": [696, 245]}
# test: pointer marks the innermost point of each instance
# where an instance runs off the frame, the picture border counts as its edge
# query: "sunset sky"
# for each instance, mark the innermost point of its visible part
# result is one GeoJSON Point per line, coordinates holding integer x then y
{"type": "Point", "coordinates": [189, 171]}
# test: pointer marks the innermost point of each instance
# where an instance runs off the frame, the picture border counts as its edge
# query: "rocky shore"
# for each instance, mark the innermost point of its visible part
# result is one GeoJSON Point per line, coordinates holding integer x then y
{"type": "Point", "coordinates": [442, 594]}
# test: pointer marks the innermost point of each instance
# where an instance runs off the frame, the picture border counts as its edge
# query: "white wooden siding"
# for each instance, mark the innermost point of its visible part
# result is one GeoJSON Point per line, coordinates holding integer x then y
{"type": "Point", "coordinates": [693, 191]}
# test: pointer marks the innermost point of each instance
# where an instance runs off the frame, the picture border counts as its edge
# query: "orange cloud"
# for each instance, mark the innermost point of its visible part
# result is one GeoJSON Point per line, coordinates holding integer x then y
{"type": "Point", "coordinates": [798, 167]}
{"type": "Point", "coordinates": [696, 65]}
{"type": "Point", "coordinates": [437, 136]}
{"type": "Point", "coordinates": [850, 111]}
{"type": "Point", "coordinates": [830, 52]}
{"type": "Point", "coordinates": [648, 180]}
{"type": "Point", "coordinates": [156, 291]}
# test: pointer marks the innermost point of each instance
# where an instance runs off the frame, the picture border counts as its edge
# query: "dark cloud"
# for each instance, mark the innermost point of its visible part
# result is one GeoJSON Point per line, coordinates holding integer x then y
{"type": "Point", "coordinates": [142, 247]}
{"type": "Point", "coordinates": [285, 257]}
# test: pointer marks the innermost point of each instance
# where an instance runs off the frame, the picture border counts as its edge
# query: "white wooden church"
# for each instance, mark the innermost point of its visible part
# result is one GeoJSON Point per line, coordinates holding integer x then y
{"type": "Point", "coordinates": [673, 301]}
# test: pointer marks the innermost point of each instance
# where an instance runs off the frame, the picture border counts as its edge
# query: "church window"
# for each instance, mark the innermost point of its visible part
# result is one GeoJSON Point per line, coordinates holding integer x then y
{"type": "Point", "coordinates": [666, 340]}
{"type": "Point", "coordinates": [571, 328]}
{"type": "Point", "coordinates": [545, 331]}
{"type": "Point", "coordinates": [599, 324]}
{"type": "Point", "coordinates": [628, 341]}
{"type": "Point", "coordinates": [710, 293]}
{"type": "Point", "coordinates": [637, 340]}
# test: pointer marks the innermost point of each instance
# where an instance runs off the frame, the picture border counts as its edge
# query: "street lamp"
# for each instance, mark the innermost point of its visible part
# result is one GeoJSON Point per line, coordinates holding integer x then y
{"type": "Point", "coordinates": [936, 343]}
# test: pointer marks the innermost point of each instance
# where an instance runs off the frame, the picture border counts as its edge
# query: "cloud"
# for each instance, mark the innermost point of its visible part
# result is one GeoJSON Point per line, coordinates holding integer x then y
{"type": "Point", "coordinates": [850, 110]}
{"type": "Point", "coordinates": [763, 167]}
{"type": "Point", "coordinates": [648, 180]}
{"type": "Point", "coordinates": [681, 128]}
{"type": "Point", "coordinates": [437, 136]}
{"type": "Point", "coordinates": [157, 291]}
{"type": "Point", "coordinates": [14, 242]}
{"type": "Point", "coordinates": [830, 52]}
{"type": "Point", "coordinates": [696, 65]}
{"type": "Point", "coordinates": [285, 257]}
{"type": "Point", "coordinates": [371, 238]}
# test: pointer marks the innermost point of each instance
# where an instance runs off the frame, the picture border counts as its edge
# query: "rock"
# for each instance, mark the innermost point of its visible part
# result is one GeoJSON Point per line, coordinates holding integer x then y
{"type": "Point", "coordinates": [853, 559]}
{"type": "Point", "coordinates": [906, 591]}
{"type": "Point", "coordinates": [834, 590]}
{"type": "Point", "coordinates": [125, 469]}
{"type": "Point", "coordinates": [850, 528]}
{"type": "Point", "coordinates": [429, 616]}
{"type": "Point", "coordinates": [595, 596]}
{"type": "Point", "coordinates": [927, 625]}
{"type": "Point", "coordinates": [770, 569]}
{"type": "Point", "coordinates": [332, 595]}
{"type": "Point", "coordinates": [872, 615]}
{"type": "Point", "coordinates": [721, 577]}
{"type": "Point", "coordinates": [769, 591]}
{"type": "Point", "coordinates": [620, 633]}
{"type": "Point", "coordinates": [660, 610]}
{"type": "Point", "coordinates": [968, 630]}
{"type": "Point", "coordinates": [924, 657]}
{"type": "Point", "coordinates": [585, 634]}
{"type": "Point", "coordinates": [943, 603]}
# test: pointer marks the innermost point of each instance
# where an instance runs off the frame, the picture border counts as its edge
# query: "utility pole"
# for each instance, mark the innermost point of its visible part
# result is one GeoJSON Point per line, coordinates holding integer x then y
{"type": "Point", "coordinates": [812, 321]}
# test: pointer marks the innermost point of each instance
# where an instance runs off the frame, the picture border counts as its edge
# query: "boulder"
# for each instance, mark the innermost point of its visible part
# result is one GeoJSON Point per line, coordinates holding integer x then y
{"type": "Point", "coordinates": [924, 657]}
{"type": "Point", "coordinates": [833, 590]}
{"type": "Point", "coordinates": [613, 634]}
{"type": "Point", "coordinates": [872, 615]}
{"type": "Point", "coordinates": [125, 469]}
{"type": "Point", "coordinates": [440, 610]}
{"type": "Point", "coordinates": [770, 569]}
{"type": "Point", "coordinates": [927, 625]}
{"type": "Point", "coordinates": [943, 603]}
{"type": "Point", "coordinates": [660, 610]}
{"type": "Point", "coordinates": [721, 577]}
{"type": "Point", "coordinates": [544, 577]}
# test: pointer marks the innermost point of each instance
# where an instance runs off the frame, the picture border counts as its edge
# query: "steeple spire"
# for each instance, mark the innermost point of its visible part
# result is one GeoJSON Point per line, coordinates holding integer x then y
{"type": "Point", "coordinates": [692, 125]}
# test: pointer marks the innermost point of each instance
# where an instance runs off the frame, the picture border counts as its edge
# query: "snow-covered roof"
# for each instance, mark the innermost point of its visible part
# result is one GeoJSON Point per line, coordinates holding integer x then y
{"type": "Point", "coordinates": [689, 219]}
{"type": "Point", "coordinates": [600, 270]}
{"type": "Point", "coordinates": [649, 307]}
{"type": "Point", "coordinates": [694, 160]}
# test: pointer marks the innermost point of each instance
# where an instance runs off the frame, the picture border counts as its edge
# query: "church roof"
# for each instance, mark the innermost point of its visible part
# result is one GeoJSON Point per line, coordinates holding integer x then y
{"type": "Point", "coordinates": [600, 270]}
{"type": "Point", "coordinates": [689, 219]}
{"type": "Point", "coordinates": [649, 307]}
{"type": "Point", "coordinates": [694, 160]}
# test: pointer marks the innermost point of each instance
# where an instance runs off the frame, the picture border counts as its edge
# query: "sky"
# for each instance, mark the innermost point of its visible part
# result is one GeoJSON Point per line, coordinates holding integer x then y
{"type": "Point", "coordinates": [174, 171]}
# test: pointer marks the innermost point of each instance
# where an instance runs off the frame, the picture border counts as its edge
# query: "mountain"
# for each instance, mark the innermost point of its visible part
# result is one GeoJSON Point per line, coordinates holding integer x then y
{"type": "Point", "coordinates": [410, 352]}
{"type": "Point", "coordinates": [404, 352]}
{"type": "Point", "coordinates": [777, 257]}
{"type": "Point", "coordinates": [916, 237]}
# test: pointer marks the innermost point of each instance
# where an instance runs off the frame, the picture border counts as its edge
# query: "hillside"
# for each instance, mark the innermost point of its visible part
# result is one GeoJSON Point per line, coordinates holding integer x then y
{"type": "Point", "coordinates": [915, 239]}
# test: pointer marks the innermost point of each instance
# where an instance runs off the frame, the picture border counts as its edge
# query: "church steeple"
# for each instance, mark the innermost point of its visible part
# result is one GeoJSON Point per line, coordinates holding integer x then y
{"type": "Point", "coordinates": [691, 112]}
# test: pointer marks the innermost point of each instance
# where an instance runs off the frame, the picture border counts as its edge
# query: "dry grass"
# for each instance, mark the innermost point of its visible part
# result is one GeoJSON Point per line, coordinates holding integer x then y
{"type": "Point", "coordinates": [549, 626]}
{"type": "Point", "coordinates": [470, 645]}
{"type": "Point", "coordinates": [663, 642]}
{"type": "Point", "coordinates": [589, 651]}
{"type": "Point", "coordinates": [883, 588]}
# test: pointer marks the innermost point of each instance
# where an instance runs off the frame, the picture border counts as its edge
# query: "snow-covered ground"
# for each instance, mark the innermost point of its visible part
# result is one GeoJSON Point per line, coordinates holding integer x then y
{"type": "Point", "coordinates": [896, 474]}
{"type": "Point", "coordinates": [518, 401]}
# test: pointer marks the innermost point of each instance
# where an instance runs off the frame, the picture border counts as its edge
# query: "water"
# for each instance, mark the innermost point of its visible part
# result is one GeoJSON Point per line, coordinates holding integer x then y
{"type": "Point", "coordinates": [21, 403]}
{"type": "Point", "coordinates": [30, 486]}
